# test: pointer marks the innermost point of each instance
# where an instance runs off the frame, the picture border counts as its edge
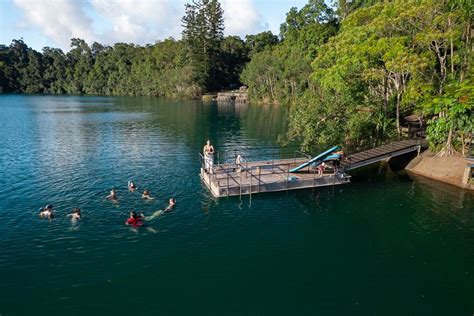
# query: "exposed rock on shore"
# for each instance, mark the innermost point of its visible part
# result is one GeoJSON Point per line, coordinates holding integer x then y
{"type": "Point", "coordinates": [453, 169]}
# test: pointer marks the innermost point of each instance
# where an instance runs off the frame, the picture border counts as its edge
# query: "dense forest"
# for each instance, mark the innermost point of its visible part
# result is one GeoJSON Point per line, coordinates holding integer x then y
{"type": "Point", "coordinates": [349, 73]}
{"type": "Point", "coordinates": [203, 60]}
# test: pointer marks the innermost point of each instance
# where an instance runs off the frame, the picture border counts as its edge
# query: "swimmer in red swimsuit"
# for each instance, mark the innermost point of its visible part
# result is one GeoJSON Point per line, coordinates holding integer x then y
{"type": "Point", "coordinates": [134, 220]}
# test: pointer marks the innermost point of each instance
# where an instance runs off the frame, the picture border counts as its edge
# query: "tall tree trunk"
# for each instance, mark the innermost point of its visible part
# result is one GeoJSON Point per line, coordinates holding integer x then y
{"type": "Point", "coordinates": [398, 114]}
{"type": "Point", "coordinates": [385, 95]}
{"type": "Point", "coordinates": [452, 50]}
{"type": "Point", "coordinates": [465, 64]}
{"type": "Point", "coordinates": [449, 142]}
{"type": "Point", "coordinates": [442, 65]}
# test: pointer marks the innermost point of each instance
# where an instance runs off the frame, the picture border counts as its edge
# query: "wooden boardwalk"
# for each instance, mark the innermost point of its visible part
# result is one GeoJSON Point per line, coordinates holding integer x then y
{"type": "Point", "coordinates": [266, 176]}
{"type": "Point", "coordinates": [383, 152]}
{"type": "Point", "coordinates": [274, 175]}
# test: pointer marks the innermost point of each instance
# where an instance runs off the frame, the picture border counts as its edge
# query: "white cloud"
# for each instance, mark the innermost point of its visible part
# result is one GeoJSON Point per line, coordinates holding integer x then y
{"type": "Point", "coordinates": [131, 21]}
{"type": "Point", "coordinates": [60, 20]}
{"type": "Point", "coordinates": [242, 18]}
{"type": "Point", "coordinates": [140, 22]}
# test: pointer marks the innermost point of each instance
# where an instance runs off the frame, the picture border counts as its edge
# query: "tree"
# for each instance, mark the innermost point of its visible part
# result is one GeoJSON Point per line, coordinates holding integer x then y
{"type": "Point", "coordinates": [259, 42]}
{"type": "Point", "coordinates": [280, 73]}
{"type": "Point", "coordinates": [314, 12]}
{"type": "Point", "coordinates": [80, 62]}
{"type": "Point", "coordinates": [203, 27]}
{"type": "Point", "coordinates": [452, 124]}
{"type": "Point", "coordinates": [232, 59]}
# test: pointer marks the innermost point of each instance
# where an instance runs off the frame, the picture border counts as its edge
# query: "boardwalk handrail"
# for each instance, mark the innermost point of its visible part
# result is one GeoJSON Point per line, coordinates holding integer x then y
{"type": "Point", "coordinates": [391, 149]}
{"type": "Point", "coordinates": [224, 178]}
{"type": "Point", "coordinates": [249, 176]}
{"type": "Point", "coordinates": [258, 154]}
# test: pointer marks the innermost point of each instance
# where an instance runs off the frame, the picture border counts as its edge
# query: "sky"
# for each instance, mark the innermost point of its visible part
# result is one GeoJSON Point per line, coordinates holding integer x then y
{"type": "Point", "coordinates": [54, 22]}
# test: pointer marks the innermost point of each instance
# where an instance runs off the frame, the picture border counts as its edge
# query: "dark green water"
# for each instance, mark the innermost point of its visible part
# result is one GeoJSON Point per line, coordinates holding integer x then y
{"type": "Point", "coordinates": [383, 245]}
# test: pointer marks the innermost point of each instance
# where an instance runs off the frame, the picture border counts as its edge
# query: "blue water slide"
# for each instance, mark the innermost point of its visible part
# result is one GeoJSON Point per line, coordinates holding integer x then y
{"type": "Point", "coordinates": [332, 157]}
{"type": "Point", "coordinates": [319, 158]}
{"type": "Point", "coordinates": [328, 158]}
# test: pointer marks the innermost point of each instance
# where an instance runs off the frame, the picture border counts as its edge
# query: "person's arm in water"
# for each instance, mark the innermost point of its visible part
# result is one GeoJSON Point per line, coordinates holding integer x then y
{"type": "Point", "coordinates": [170, 206]}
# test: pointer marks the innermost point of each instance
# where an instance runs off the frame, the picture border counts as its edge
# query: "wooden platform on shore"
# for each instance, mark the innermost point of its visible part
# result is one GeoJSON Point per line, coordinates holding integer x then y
{"type": "Point", "coordinates": [238, 96]}
{"type": "Point", "coordinates": [267, 176]}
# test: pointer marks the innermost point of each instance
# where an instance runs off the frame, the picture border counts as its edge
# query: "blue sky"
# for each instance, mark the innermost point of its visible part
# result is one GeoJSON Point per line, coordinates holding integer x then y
{"type": "Point", "coordinates": [53, 22]}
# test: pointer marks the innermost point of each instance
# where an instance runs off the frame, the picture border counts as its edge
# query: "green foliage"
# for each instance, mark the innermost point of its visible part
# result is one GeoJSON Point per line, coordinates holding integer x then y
{"type": "Point", "coordinates": [203, 60]}
{"type": "Point", "coordinates": [232, 58]}
{"type": "Point", "coordinates": [348, 76]}
{"type": "Point", "coordinates": [280, 73]}
{"type": "Point", "coordinates": [315, 12]}
{"type": "Point", "coordinates": [259, 42]}
{"type": "Point", "coordinates": [452, 122]}
{"type": "Point", "coordinates": [388, 58]}
{"type": "Point", "coordinates": [123, 69]}
{"type": "Point", "coordinates": [203, 32]}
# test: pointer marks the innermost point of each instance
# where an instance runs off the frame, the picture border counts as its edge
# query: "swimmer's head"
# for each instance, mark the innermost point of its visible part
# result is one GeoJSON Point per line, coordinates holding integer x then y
{"type": "Point", "coordinates": [208, 142]}
{"type": "Point", "coordinates": [133, 214]}
{"type": "Point", "coordinates": [49, 207]}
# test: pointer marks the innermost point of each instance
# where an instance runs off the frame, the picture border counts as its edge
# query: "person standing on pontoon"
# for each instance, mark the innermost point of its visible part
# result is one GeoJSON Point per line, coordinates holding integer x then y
{"type": "Point", "coordinates": [208, 152]}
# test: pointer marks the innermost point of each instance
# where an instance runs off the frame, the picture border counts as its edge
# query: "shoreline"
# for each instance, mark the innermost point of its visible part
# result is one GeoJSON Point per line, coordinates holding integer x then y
{"type": "Point", "coordinates": [452, 169]}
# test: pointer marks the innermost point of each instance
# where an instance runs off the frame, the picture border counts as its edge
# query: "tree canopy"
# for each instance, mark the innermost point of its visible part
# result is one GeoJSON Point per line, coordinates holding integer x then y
{"type": "Point", "coordinates": [352, 79]}
{"type": "Point", "coordinates": [349, 73]}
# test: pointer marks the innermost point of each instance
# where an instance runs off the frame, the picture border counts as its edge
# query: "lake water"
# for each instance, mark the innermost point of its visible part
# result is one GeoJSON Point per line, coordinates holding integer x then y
{"type": "Point", "coordinates": [385, 244]}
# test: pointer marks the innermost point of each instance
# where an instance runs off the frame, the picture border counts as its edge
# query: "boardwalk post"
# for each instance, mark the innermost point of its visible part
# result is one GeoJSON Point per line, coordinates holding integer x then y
{"type": "Point", "coordinates": [240, 184]}
{"type": "Point", "coordinates": [227, 182]}
{"type": "Point", "coordinates": [287, 176]}
{"type": "Point", "coordinates": [209, 178]}
{"type": "Point", "coordinates": [251, 181]}
{"type": "Point", "coordinates": [314, 177]}
{"type": "Point", "coordinates": [259, 172]}
{"type": "Point", "coordinates": [273, 162]}
{"type": "Point", "coordinates": [271, 180]}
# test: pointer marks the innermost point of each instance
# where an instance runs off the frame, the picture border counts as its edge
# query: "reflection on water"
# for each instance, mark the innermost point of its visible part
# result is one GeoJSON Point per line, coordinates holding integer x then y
{"type": "Point", "coordinates": [384, 244]}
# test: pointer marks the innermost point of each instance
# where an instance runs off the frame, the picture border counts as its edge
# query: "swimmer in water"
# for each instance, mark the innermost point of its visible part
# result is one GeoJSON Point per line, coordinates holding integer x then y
{"type": "Point", "coordinates": [75, 215]}
{"type": "Point", "coordinates": [134, 220]}
{"type": "Point", "coordinates": [131, 186]}
{"type": "Point", "coordinates": [46, 212]}
{"type": "Point", "coordinates": [146, 195]}
{"type": "Point", "coordinates": [112, 195]}
{"type": "Point", "coordinates": [169, 208]}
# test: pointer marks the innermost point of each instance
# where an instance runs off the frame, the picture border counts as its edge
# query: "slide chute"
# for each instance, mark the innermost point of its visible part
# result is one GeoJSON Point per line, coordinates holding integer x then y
{"type": "Point", "coordinates": [316, 160]}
